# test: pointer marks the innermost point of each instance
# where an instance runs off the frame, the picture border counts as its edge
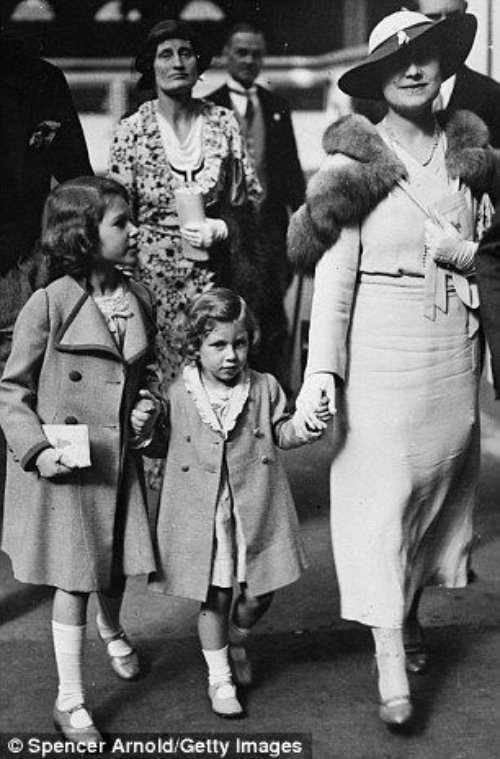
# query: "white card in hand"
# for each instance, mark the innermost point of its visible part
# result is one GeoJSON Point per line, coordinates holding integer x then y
{"type": "Point", "coordinates": [70, 439]}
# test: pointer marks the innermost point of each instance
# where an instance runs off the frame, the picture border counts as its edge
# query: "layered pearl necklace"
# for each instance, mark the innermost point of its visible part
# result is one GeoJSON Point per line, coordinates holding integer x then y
{"type": "Point", "coordinates": [394, 140]}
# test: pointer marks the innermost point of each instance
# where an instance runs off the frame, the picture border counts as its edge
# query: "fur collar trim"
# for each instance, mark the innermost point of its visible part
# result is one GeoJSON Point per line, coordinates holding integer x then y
{"type": "Point", "coordinates": [346, 193]}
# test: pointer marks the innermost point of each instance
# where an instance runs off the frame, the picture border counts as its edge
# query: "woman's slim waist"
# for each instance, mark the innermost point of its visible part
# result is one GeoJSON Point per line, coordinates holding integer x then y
{"type": "Point", "coordinates": [406, 284]}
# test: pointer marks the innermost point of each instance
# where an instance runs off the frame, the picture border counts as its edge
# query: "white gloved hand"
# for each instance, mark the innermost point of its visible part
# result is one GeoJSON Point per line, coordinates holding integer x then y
{"type": "Point", "coordinates": [445, 246]}
{"type": "Point", "coordinates": [303, 429]}
{"type": "Point", "coordinates": [311, 427]}
{"type": "Point", "coordinates": [207, 233]}
{"type": "Point", "coordinates": [315, 403]}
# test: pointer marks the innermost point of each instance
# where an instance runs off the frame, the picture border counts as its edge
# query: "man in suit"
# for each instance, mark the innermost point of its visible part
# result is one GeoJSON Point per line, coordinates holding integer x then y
{"type": "Point", "coordinates": [265, 121]}
{"type": "Point", "coordinates": [488, 279]}
{"type": "Point", "coordinates": [41, 140]}
{"type": "Point", "coordinates": [468, 89]}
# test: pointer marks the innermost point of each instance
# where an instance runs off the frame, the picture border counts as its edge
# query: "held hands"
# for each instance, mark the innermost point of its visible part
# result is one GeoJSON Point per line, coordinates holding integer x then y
{"type": "Point", "coordinates": [315, 405]}
{"type": "Point", "coordinates": [207, 233]}
{"type": "Point", "coordinates": [446, 246]}
{"type": "Point", "coordinates": [144, 415]}
{"type": "Point", "coordinates": [52, 464]}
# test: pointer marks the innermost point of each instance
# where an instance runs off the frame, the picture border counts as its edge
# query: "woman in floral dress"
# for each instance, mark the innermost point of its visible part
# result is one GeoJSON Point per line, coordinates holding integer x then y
{"type": "Point", "coordinates": [171, 140]}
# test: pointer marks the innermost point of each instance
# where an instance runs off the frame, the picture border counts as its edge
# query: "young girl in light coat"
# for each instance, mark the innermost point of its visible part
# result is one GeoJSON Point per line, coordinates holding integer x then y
{"type": "Point", "coordinates": [226, 511]}
{"type": "Point", "coordinates": [81, 354]}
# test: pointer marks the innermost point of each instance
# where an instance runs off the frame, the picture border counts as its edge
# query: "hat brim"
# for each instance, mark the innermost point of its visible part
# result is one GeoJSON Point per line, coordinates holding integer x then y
{"type": "Point", "coordinates": [453, 37]}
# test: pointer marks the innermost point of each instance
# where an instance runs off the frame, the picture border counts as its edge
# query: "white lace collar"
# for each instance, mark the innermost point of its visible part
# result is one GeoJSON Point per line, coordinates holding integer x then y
{"type": "Point", "coordinates": [237, 399]}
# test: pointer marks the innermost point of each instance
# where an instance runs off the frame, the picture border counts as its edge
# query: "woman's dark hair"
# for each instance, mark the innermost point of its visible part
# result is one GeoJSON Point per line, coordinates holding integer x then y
{"type": "Point", "coordinates": [168, 30]}
{"type": "Point", "coordinates": [217, 305]}
{"type": "Point", "coordinates": [70, 224]}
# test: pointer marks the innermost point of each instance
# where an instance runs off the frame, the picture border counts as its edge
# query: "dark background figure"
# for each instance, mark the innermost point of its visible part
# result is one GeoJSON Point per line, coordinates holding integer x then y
{"type": "Point", "coordinates": [468, 90]}
{"type": "Point", "coordinates": [488, 279]}
{"type": "Point", "coordinates": [265, 121]}
{"type": "Point", "coordinates": [41, 140]}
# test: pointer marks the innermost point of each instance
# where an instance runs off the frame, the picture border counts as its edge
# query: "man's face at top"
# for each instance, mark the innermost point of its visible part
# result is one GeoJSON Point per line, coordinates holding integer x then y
{"type": "Point", "coordinates": [436, 9]}
{"type": "Point", "coordinates": [244, 54]}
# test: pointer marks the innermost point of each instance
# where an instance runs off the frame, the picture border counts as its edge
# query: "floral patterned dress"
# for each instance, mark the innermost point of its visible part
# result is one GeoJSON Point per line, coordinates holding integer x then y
{"type": "Point", "coordinates": [139, 161]}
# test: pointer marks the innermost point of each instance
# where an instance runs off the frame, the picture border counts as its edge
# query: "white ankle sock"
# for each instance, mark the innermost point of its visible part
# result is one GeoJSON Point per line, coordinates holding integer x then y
{"type": "Point", "coordinates": [219, 670]}
{"type": "Point", "coordinates": [68, 648]}
{"type": "Point", "coordinates": [117, 647]}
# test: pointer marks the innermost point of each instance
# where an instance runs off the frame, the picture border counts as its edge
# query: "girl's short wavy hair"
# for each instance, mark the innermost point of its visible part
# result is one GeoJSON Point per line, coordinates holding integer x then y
{"type": "Point", "coordinates": [217, 305]}
{"type": "Point", "coordinates": [168, 30]}
{"type": "Point", "coordinates": [70, 224]}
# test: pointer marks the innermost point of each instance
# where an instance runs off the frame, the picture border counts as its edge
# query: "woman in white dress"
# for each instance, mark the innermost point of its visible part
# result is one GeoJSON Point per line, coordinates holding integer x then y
{"type": "Point", "coordinates": [394, 338]}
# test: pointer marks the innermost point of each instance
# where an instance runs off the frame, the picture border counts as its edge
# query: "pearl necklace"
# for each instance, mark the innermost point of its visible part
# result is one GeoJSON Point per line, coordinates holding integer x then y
{"type": "Point", "coordinates": [435, 143]}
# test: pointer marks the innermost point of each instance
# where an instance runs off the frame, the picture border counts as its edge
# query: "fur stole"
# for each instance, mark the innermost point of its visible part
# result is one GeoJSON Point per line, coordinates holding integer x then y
{"type": "Point", "coordinates": [348, 192]}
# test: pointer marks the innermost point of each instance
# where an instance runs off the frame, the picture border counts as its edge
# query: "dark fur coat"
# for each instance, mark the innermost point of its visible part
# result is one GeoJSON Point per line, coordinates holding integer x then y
{"type": "Point", "coordinates": [347, 194]}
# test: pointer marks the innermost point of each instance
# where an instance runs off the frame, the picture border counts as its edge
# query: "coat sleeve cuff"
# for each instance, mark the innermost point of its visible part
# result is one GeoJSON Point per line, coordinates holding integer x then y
{"type": "Point", "coordinates": [29, 458]}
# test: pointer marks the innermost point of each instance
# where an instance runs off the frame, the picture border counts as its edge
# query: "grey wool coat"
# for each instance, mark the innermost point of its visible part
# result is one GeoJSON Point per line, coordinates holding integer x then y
{"type": "Point", "coordinates": [261, 494]}
{"type": "Point", "coordinates": [75, 533]}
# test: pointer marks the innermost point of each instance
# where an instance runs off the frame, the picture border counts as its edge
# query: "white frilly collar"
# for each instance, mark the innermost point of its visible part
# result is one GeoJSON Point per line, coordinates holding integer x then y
{"type": "Point", "coordinates": [237, 399]}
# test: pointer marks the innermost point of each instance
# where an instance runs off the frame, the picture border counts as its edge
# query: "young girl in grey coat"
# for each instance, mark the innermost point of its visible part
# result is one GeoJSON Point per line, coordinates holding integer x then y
{"type": "Point", "coordinates": [226, 511]}
{"type": "Point", "coordinates": [81, 354]}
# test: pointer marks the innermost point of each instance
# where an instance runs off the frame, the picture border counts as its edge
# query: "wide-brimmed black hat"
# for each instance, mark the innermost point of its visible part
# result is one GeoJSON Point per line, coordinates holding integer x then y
{"type": "Point", "coordinates": [452, 36]}
{"type": "Point", "coordinates": [167, 30]}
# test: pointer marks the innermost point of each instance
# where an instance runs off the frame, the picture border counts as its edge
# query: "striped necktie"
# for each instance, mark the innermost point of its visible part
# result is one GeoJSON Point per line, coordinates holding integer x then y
{"type": "Point", "coordinates": [249, 114]}
{"type": "Point", "coordinates": [249, 111]}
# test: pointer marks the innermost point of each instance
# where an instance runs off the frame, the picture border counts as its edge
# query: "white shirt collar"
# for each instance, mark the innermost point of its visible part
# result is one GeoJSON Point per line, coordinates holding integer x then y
{"type": "Point", "coordinates": [237, 89]}
{"type": "Point", "coordinates": [446, 91]}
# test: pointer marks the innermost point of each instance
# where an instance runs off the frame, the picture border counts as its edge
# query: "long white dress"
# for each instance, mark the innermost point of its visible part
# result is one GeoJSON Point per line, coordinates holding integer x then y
{"type": "Point", "coordinates": [405, 468]}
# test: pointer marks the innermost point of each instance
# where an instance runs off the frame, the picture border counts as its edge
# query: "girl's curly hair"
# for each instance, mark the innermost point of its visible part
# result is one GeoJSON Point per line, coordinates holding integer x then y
{"type": "Point", "coordinates": [70, 224]}
{"type": "Point", "coordinates": [216, 305]}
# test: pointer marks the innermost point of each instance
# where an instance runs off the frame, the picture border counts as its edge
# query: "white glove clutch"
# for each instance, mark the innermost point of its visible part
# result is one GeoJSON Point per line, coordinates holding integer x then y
{"type": "Point", "coordinates": [446, 247]}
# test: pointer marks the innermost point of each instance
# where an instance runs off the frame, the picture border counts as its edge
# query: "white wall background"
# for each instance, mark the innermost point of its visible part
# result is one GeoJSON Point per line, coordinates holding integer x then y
{"type": "Point", "coordinates": [479, 58]}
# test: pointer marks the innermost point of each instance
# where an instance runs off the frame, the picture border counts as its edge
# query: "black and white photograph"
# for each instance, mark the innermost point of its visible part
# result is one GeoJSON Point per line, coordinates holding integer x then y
{"type": "Point", "coordinates": [250, 379]}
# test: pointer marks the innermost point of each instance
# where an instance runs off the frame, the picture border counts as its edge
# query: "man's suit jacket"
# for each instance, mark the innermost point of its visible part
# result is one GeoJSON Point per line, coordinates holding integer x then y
{"type": "Point", "coordinates": [285, 193]}
{"type": "Point", "coordinates": [488, 280]}
{"type": "Point", "coordinates": [286, 185]}
{"type": "Point", "coordinates": [480, 94]}
{"type": "Point", "coordinates": [32, 92]}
